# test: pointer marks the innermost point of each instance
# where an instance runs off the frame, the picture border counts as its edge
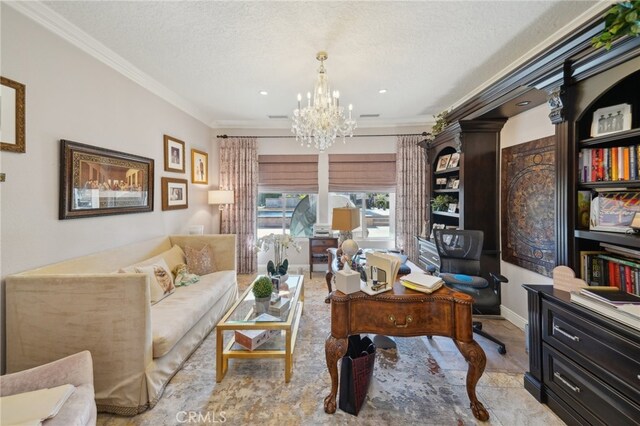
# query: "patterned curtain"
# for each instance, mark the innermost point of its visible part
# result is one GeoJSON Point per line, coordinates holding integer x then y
{"type": "Point", "coordinates": [239, 172]}
{"type": "Point", "coordinates": [411, 194]}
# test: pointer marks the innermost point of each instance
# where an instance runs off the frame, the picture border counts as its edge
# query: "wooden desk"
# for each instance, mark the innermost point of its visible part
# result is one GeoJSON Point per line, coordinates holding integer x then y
{"type": "Point", "coordinates": [405, 313]}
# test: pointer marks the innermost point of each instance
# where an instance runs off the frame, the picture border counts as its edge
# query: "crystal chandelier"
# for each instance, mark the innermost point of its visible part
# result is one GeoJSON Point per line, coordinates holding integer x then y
{"type": "Point", "coordinates": [321, 121]}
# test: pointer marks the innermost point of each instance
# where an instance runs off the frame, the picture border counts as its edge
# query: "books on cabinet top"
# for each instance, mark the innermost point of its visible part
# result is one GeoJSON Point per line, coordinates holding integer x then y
{"type": "Point", "coordinates": [613, 296]}
{"type": "Point", "coordinates": [625, 314]}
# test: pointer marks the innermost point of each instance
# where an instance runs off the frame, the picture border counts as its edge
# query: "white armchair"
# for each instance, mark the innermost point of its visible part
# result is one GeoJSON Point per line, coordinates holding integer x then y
{"type": "Point", "coordinates": [77, 370]}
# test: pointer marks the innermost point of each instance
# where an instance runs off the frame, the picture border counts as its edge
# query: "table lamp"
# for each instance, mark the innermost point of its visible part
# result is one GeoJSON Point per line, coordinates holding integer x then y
{"type": "Point", "coordinates": [222, 198]}
{"type": "Point", "coordinates": [345, 220]}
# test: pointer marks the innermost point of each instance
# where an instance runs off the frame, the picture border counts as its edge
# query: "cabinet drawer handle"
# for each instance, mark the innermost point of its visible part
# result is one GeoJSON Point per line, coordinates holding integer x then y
{"type": "Point", "coordinates": [392, 319]}
{"type": "Point", "coordinates": [565, 334]}
{"type": "Point", "coordinates": [566, 382]}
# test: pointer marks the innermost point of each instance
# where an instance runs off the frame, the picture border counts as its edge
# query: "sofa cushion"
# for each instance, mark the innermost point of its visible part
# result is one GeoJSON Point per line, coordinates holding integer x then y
{"type": "Point", "coordinates": [174, 317]}
{"type": "Point", "coordinates": [160, 280]}
{"type": "Point", "coordinates": [200, 262]}
{"type": "Point", "coordinates": [173, 257]}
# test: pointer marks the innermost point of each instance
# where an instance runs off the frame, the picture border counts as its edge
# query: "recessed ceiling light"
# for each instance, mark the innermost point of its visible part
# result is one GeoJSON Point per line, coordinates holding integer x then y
{"type": "Point", "coordinates": [264, 92]}
{"type": "Point", "coordinates": [382, 91]}
{"type": "Point", "coordinates": [523, 103]}
{"type": "Point", "coordinates": [277, 116]}
{"type": "Point", "coordinates": [369, 115]}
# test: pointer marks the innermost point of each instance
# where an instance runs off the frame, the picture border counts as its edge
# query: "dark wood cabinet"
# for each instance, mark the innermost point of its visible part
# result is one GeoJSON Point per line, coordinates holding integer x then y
{"type": "Point", "coordinates": [476, 193]}
{"type": "Point", "coordinates": [318, 251]}
{"type": "Point", "coordinates": [428, 255]}
{"type": "Point", "coordinates": [585, 366]}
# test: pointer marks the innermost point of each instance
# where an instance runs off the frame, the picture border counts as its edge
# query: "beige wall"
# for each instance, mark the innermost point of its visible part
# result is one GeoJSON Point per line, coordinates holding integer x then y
{"type": "Point", "coordinates": [70, 95]}
{"type": "Point", "coordinates": [525, 127]}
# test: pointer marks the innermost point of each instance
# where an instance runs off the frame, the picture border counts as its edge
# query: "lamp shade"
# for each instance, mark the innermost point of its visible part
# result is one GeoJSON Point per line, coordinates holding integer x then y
{"type": "Point", "coordinates": [220, 197]}
{"type": "Point", "coordinates": [345, 218]}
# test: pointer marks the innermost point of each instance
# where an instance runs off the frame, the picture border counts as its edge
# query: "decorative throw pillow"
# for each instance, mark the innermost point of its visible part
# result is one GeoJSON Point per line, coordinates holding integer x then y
{"type": "Point", "coordinates": [160, 280]}
{"type": "Point", "coordinates": [200, 262]}
{"type": "Point", "coordinates": [183, 277]}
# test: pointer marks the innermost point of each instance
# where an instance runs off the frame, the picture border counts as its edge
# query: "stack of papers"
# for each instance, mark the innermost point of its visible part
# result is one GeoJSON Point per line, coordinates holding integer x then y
{"type": "Point", "coordinates": [422, 282]}
{"type": "Point", "coordinates": [32, 408]}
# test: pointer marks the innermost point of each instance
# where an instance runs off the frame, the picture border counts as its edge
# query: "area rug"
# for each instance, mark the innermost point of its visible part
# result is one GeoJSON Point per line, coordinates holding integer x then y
{"type": "Point", "coordinates": [420, 382]}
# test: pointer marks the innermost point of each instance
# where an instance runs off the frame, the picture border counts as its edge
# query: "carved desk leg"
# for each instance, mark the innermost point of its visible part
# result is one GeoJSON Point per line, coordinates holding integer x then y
{"type": "Point", "coordinates": [477, 360]}
{"type": "Point", "coordinates": [328, 278]}
{"type": "Point", "coordinates": [334, 349]}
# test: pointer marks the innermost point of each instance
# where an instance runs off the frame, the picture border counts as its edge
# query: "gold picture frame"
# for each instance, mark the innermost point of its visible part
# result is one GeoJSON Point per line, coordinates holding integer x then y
{"type": "Point", "coordinates": [175, 193]}
{"type": "Point", "coordinates": [199, 167]}
{"type": "Point", "coordinates": [12, 116]}
{"type": "Point", "coordinates": [174, 150]}
{"type": "Point", "coordinates": [443, 162]}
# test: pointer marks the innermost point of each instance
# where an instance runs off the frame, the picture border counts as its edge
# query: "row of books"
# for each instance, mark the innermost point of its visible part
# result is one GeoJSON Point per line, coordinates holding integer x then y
{"type": "Point", "coordinates": [613, 303]}
{"type": "Point", "coordinates": [604, 268]}
{"type": "Point", "coordinates": [609, 164]}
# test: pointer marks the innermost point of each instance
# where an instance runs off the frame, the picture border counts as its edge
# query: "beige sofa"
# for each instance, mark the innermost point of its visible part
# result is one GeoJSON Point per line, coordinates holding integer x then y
{"type": "Point", "coordinates": [85, 304]}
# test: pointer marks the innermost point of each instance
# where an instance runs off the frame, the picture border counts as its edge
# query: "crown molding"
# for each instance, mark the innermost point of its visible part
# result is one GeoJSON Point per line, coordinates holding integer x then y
{"type": "Point", "coordinates": [363, 123]}
{"type": "Point", "coordinates": [595, 11]}
{"type": "Point", "coordinates": [61, 27]}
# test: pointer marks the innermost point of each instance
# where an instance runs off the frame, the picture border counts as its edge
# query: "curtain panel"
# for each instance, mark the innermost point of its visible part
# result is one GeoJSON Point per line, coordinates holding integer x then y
{"type": "Point", "coordinates": [287, 173]}
{"type": "Point", "coordinates": [362, 172]}
{"type": "Point", "coordinates": [411, 194]}
{"type": "Point", "coordinates": [239, 172]}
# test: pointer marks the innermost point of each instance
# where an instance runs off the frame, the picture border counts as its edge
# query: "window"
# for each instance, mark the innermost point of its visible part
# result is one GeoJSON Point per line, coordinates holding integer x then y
{"type": "Point", "coordinates": [368, 181]}
{"type": "Point", "coordinates": [377, 212]}
{"type": "Point", "coordinates": [287, 194]}
{"type": "Point", "coordinates": [288, 213]}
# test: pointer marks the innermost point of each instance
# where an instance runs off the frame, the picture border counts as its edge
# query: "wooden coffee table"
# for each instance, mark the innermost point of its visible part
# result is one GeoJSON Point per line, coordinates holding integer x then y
{"type": "Point", "coordinates": [404, 313]}
{"type": "Point", "coordinates": [242, 316]}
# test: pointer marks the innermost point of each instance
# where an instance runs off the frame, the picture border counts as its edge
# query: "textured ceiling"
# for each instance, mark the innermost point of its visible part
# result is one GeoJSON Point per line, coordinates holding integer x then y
{"type": "Point", "coordinates": [219, 55]}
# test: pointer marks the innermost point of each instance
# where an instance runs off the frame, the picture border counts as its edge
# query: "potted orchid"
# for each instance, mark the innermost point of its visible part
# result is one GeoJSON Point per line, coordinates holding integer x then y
{"type": "Point", "coordinates": [280, 242]}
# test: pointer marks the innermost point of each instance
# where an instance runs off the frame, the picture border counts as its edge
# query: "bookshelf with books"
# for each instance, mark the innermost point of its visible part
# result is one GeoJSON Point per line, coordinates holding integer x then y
{"type": "Point", "coordinates": [463, 164]}
{"type": "Point", "coordinates": [607, 181]}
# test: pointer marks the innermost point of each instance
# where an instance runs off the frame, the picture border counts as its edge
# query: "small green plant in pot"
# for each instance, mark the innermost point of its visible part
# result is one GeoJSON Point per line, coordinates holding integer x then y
{"type": "Point", "coordinates": [441, 202]}
{"type": "Point", "coordinates": [262, 290]}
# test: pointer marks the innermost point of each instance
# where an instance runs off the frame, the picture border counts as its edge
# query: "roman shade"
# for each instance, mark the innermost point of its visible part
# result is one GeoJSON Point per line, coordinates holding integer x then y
{"type": "Point", "coordinates": [362, 172]}
{"type": "Point", "coordinates": [288, 173]}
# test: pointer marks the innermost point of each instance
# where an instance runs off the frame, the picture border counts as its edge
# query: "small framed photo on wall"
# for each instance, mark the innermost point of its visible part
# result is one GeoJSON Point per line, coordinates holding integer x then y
{"type": "Point", "coordinates": [199, 167]}
{"type": "Point", "coordinates": [175, 193]}
{"type": "Point", "coordinates": [173, 154]}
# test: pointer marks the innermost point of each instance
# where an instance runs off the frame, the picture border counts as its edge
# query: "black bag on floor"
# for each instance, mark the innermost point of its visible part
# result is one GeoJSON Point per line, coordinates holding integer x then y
{"type": "Point", "coordinates": [355, 373]}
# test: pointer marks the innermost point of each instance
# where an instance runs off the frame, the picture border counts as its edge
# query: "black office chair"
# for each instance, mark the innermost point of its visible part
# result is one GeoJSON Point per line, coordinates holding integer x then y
{"type": "Point", "coordinates": [459, 252]}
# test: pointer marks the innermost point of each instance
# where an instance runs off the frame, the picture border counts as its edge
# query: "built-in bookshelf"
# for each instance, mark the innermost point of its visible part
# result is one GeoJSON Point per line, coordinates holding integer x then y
{"type": "Point", "coordinates": [462, 164]}
{"type": "Point", "coordinates": [607, 250]}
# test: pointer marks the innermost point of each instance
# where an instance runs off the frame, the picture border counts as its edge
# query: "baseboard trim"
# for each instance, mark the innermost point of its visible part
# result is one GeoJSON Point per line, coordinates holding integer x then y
{"type": "Point", "coordinates": [513, 318]}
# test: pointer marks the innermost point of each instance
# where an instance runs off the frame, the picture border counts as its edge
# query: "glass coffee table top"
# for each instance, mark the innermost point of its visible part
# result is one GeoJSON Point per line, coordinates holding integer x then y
{"type": "Point", "coordinates": [245, 311]}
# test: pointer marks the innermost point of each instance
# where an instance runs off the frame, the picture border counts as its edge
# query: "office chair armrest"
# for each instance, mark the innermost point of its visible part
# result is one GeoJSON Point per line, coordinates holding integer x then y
{"type": "Point", "coordinates": [498, 278]}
